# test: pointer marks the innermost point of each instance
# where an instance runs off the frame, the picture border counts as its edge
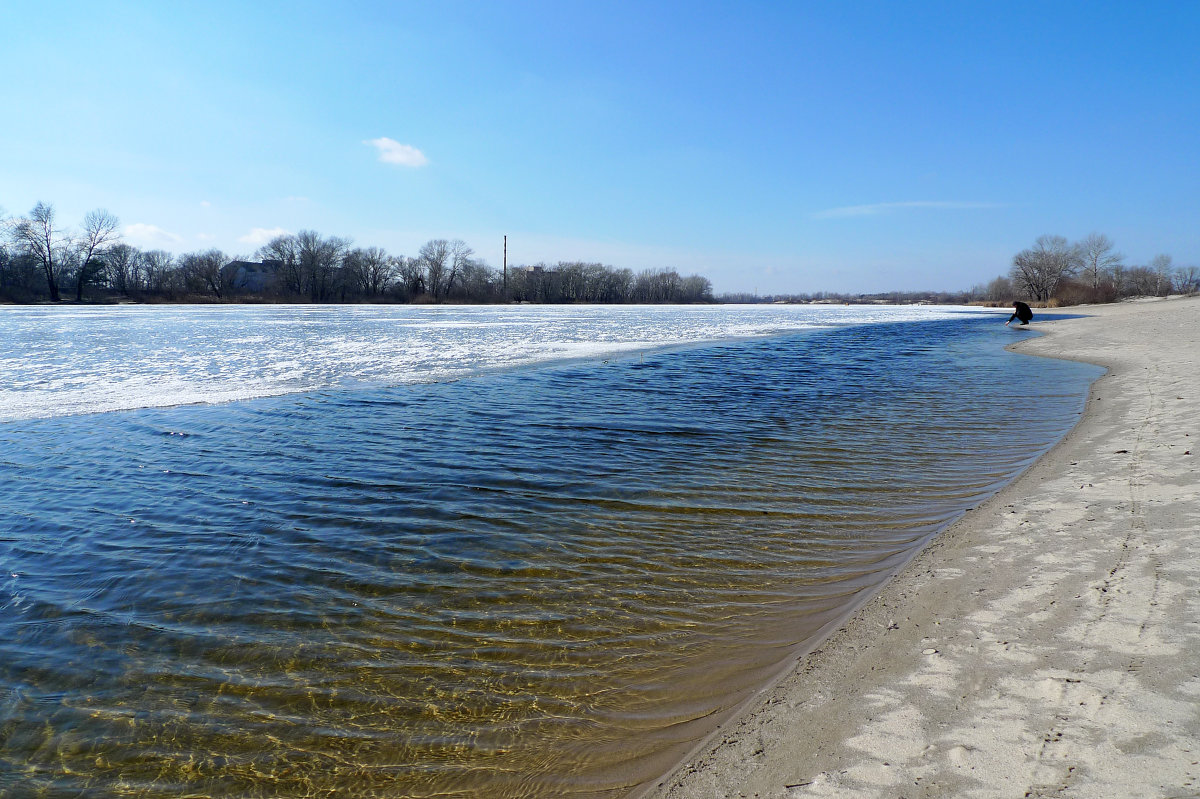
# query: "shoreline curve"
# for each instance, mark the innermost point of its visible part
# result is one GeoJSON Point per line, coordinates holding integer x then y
{"type": "Point", "coordinates": [1046, 643]}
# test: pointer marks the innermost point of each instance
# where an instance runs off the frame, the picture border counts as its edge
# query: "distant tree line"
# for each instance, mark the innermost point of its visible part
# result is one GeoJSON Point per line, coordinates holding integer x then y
{"type": "Point", "coordinates": [43, 260]}
{"type": "Point", "coordinates": [855, 298]}
{"type": "Point", "coordinates": [1057, 272]}
{"type": "Point", "coordinates": [1051, 272]}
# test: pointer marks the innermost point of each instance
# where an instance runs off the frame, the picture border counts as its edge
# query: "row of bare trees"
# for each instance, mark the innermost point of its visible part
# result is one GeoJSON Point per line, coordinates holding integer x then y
{"type": "Point", "coordinates": [41, 259]}
{"type": "Point", "coordinates": [327, 269]}
{"type": "Point", "coordinates": [1089, 270]}
{"type": "Point", "coordinates": [60, 253]}
{"type": "Point", "coordinates": [576, 281]}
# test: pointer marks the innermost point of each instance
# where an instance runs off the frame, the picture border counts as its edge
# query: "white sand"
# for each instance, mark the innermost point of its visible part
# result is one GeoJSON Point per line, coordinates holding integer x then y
{"type": "Point", "coordinates": [1046, 645]}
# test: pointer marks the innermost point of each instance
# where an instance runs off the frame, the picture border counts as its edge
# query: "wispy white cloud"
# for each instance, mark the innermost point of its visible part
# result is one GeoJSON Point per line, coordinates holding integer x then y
{"type": "Point", "coordinates": [150, 235]}
{"type": "Point", "coordinates": [261, 235]}
{"type": "Point", "coordinates": [393, 152]}
{"type": "Point", "coordinates": [205, 204]}
{"type": "Point", "coordinates": [875, 209]}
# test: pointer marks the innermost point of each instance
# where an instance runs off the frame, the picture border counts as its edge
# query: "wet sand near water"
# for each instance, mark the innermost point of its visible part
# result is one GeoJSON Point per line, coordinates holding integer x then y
{"type": "Point", "coordinates": [1048, 644]}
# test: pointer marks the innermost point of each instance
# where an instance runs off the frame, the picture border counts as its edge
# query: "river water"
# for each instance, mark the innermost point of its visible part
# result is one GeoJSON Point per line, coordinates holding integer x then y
{"type": "Point", "coordinates": [435, 552]}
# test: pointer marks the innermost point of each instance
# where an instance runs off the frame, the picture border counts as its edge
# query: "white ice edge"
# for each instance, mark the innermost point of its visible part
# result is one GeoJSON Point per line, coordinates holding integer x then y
{"type": "Point", "coordinates": [66, 361]}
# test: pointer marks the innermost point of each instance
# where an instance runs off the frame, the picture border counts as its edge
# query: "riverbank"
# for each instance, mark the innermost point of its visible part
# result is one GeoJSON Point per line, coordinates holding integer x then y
{"type": "Point", "coordinates": [1048, 644]}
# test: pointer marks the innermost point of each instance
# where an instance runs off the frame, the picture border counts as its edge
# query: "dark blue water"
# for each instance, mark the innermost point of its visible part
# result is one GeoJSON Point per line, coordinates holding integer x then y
{"type": "Point", "coordinates": [545, 582]}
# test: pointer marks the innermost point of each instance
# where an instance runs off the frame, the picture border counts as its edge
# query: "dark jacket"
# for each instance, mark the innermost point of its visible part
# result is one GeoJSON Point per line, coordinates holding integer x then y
{"type": "Point", "coordinates": [1023, 312]}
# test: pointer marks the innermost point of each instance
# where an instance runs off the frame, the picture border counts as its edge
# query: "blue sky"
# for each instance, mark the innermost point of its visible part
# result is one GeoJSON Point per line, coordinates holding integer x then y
{"type": "Point", "coordinates": [777, 147]}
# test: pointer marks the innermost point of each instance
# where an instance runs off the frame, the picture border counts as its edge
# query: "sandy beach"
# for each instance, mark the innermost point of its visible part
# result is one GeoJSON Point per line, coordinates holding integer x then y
{"type": "Point", "coordinates": [1048, 644]}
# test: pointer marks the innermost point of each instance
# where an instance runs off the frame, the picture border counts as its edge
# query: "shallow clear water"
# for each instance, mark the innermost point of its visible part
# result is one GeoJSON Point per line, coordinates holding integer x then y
{"type": "Point", "coordinates": [535, 580]}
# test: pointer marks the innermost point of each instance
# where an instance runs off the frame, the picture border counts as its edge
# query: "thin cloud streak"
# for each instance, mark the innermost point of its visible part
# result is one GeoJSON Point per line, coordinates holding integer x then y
{"type": "Point", "coordinates": [876, 209]}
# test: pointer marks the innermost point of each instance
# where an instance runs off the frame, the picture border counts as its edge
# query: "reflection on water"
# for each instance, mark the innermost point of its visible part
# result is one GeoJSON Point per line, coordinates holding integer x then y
{"type": "Point", "coordinates": [538, 583]}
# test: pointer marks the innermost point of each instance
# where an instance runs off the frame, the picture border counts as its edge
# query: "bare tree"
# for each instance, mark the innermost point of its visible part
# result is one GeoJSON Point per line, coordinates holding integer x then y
{"type": "Point", "coordinates": [99, 230]}
{"type": "Point", "coordinates": [285, 252]}
{"type": "Point", "coordinates": [460, 256]}
{"type": "Point", "coordinates": [203, 271]}
{"type": "Point", "coordinates": [412, 276]}
{"type": "Point", "coordinates": [1187, 279]}
{"type": "Point", "coordinates": [572, 280]}
{"type": "Point", "coordinates": [371, 270]}
{"type": "Point", "coordinates": [435, 257]}
{"type": "Point", "coordinates": [6, 257]}
{"type": "Point", "coordinates": [393, 272]}
{"type": "Point", "coordinates": [320, 259]}
{"type": "Point", "coordinates": [1098, 258]}
{"type": "Point", "coordinates": [617, 286]}
{"type": "Point", "coordinates": [999, 290]}
{"type": "Point", "coordinates": [478, 281]}
{"type": "Point", "coordinates": [656, 286]}
{"type": "Point", "coordinates": [695, 288]}
{"type": "Point", "coordinates": [1118, 276]}
{"type": "Point", "coordinates": [379, 269]}
{"type": "Point", "coordinates": [1140, 281]}
{"type": "Point", "coordinates": [37, 236]}
{"type": "Point", "coordinates": [596, 281]}
{"type": "Point", "coordinates": [1039, 270]}
{"type": "Point", "coordinates": [123, 263]}
{"type": "Point", "coordinates": [1161, 266]}
{"type": "Point", "coordinates": [162, 277]}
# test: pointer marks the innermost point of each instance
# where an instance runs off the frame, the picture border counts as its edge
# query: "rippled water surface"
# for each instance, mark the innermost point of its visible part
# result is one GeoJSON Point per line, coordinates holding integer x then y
{"type": "Point", "coordinates": [543, 578]}
{"type": "Point", "coordinates": [64, 360]}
